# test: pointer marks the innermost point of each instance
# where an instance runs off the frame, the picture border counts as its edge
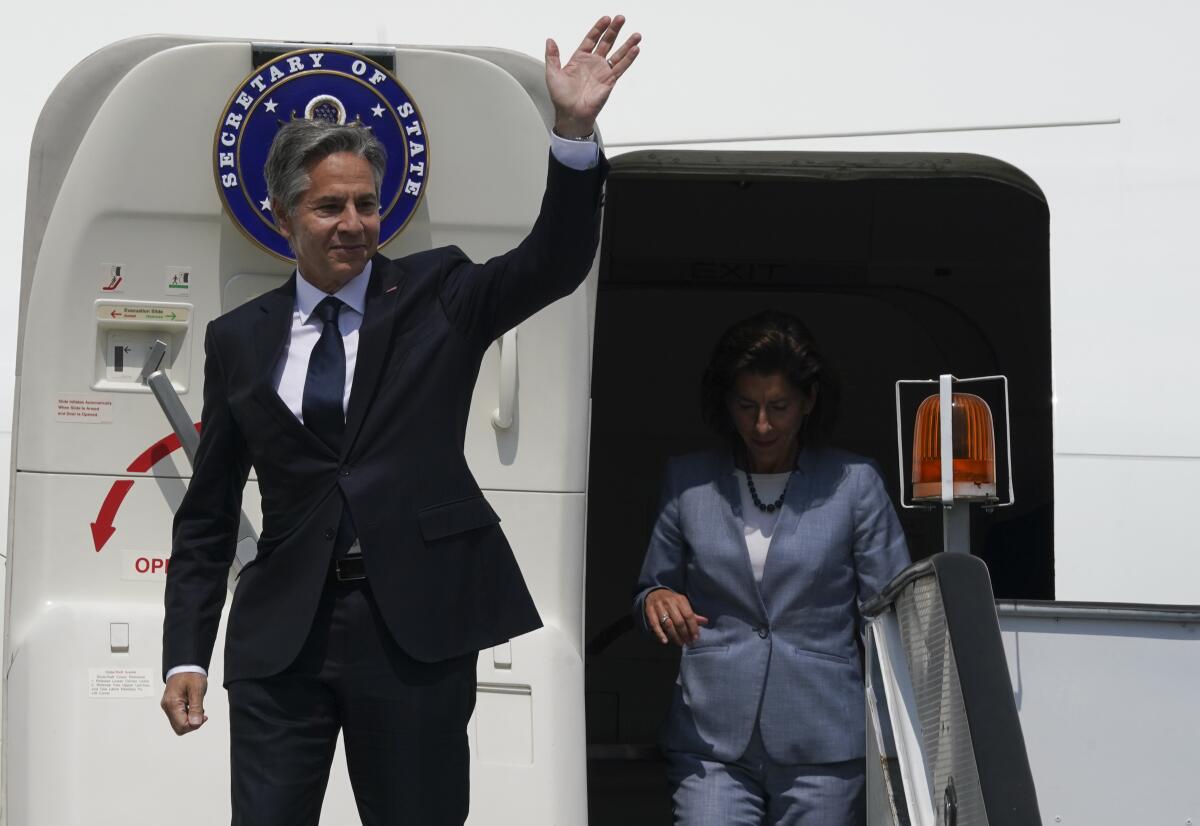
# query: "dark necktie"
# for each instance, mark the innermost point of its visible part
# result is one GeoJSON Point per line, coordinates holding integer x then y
{"type": "Point", "coordinates": [325, 385]}
{"type": "Point", "coordinates": [324, 389]}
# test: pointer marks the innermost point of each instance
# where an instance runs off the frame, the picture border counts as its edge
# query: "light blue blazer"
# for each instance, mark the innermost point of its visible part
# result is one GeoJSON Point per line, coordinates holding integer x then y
{"type": "Point", "coordinates": [783, 652]}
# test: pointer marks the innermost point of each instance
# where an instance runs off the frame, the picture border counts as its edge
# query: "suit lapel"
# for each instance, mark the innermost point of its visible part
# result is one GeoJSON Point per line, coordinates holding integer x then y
{"type": "Point", "coordinates": [728, 486]}
{"type": "Point", "coordinates": [799, 493]}
{"type": "Point", "coordinates": [271, 333]}
{"type": "Point", "coordinates": [729, 491]}
{"type": "Point", "coordinates": [374, 338]}
{"type": "Point", "coordinates": [272, 328]}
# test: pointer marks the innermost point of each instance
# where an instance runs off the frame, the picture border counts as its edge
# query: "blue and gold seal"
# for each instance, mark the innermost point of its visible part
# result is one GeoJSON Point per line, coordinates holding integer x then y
{"type": "Point", "coordinates": [328, 84]}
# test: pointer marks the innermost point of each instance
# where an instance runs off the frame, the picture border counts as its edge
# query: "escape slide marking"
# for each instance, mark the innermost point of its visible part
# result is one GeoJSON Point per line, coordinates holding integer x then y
{"type": "Point", "coordinates": [103, 528]}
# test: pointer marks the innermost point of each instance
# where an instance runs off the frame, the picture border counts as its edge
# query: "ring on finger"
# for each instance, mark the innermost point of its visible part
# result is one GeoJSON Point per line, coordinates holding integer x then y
{"type": "Point", "coordinates": [608, 60]}
{"type": "Point", "coordinates": [664, 619]}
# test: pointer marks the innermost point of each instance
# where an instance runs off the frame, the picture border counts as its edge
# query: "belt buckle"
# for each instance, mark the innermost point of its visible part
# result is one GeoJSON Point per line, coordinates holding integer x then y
{"type": "Point", "coordinates": [349, 568]}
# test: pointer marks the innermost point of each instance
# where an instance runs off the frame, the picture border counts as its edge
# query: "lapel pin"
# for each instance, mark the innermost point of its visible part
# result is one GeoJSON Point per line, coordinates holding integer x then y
{"type": "Point", "coordinates": [390, 289]}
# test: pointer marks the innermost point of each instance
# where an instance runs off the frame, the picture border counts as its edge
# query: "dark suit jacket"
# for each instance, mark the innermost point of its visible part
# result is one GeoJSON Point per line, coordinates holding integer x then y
{"type": "Point", "coordinates": [442, 573]}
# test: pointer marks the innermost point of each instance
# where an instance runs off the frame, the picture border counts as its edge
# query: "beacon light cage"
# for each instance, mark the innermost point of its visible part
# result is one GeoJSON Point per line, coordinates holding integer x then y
{"type": "Point", "coordinates": [946, 386]}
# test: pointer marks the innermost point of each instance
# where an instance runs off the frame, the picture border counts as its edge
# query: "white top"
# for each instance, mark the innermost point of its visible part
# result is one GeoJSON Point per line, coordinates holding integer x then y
{"type": "Point", "coordinates": [758, 526]}
{"type": "Point", "coordinates": [292, 369]}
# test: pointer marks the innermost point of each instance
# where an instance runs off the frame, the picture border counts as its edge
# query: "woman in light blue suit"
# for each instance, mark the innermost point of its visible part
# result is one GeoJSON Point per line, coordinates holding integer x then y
{"type": "Point", "coordinates": [759, 560]}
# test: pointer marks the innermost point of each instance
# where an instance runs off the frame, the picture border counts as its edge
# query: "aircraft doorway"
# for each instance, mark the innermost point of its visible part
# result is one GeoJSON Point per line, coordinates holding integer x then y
{"type": "Point", "coordinates": [902, 265]}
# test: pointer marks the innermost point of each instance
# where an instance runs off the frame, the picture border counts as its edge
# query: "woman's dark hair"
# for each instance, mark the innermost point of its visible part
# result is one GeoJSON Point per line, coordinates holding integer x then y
{"type": "Point", "coordinates": [769, 342]}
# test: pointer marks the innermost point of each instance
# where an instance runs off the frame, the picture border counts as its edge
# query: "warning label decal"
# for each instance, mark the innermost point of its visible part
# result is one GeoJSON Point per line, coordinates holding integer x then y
{"type": "Point", "coordinates": [74, 408]}
{"type": "Point", "coordinates": [122, 682]}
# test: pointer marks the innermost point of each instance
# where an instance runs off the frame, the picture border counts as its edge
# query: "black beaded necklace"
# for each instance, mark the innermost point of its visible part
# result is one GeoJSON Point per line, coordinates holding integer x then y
{"type": "Point", "coordinates": [770, 507]}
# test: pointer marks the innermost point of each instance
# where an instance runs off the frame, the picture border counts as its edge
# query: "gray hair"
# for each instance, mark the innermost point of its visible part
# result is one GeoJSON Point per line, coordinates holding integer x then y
{"type": "Point", "coordinates": [301, 142]}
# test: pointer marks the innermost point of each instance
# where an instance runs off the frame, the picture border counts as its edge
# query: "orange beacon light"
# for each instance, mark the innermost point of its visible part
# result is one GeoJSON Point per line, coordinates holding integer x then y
{"type": "Point", "coordinates": [965, 474]}
{"type": "Point", "coordinates": [974, 450]}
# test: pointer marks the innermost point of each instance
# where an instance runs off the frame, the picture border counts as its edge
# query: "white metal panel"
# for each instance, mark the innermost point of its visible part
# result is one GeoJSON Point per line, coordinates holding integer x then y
{"type": "Point", "coordinates": [546, 531]}
{"type": "Point", "coordinates": [65, 595]}
{"type": "Point", "coordinates": [162, 209]}
{"type": "Point", "coordinates": [1125, 529]}
{"type": "Point", "coordinates": [1108, 710]}
{"type": "Point", "coordinates": [811, 68]}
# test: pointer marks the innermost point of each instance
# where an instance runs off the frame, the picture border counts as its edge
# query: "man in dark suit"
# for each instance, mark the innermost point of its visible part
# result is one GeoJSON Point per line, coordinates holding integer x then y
{"type": "Point", "coordinates": [381, 571]}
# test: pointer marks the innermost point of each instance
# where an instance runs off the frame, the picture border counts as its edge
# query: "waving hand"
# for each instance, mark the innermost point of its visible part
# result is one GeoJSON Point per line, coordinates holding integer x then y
{"type": "Point", "coordinates": [580, 87]}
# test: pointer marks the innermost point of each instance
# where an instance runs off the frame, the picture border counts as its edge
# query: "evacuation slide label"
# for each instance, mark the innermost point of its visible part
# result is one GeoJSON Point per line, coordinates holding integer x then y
{"type": "Point", "coordinates": [122, 682]}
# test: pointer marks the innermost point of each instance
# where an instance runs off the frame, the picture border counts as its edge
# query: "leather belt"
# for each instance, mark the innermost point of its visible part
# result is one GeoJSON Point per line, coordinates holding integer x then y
{"type": "Point", "coordinates": [349, 568]}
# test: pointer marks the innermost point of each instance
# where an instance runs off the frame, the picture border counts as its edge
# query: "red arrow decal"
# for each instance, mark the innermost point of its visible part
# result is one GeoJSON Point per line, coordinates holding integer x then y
{"type": "Point", "coordinates": [159, 450]}
{"type": "Point", "coordinates": [102, 528]}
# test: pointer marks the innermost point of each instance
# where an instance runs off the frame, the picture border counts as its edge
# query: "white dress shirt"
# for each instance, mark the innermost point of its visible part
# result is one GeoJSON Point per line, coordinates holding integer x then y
{"type": "Point", "coordinates": [292, 369]}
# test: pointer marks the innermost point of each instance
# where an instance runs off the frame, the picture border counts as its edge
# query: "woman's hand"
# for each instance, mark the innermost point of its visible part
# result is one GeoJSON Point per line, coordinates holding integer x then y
{"type": "Point", "coordinates": [671, 617]}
